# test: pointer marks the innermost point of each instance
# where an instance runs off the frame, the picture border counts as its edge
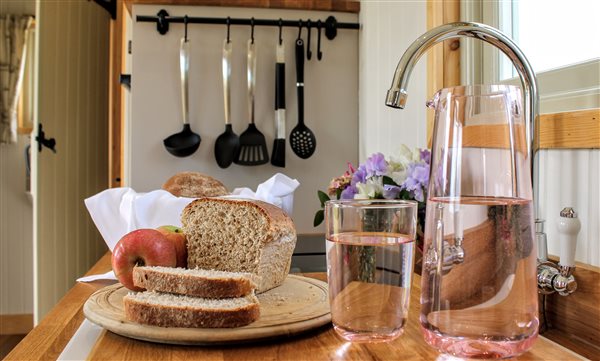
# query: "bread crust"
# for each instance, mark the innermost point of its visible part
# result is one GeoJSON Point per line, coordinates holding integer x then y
{"type": "Point", "coordinates": [189, 317]}
{"type": "Point", "coordinates": [191, 285]}
{"type": "Point", "coordinates": [194, 185]}
{"type": "Point", "coordinates": [273, 261]}
{"type": "Point", "coordinates": [280, 224]}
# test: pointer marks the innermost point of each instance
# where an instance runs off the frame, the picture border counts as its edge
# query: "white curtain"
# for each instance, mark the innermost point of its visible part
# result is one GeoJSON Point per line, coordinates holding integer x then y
{"type": "Point", "coordinates": [13, 37]}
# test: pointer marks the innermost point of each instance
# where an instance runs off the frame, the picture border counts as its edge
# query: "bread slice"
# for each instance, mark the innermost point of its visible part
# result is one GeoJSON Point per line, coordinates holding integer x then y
{"type": "Point", "coordinates": [240, 236]}
{"type": "Point", "coordinates": [193, 282]}
{"type": "Point", "coordinates": [168, 310]}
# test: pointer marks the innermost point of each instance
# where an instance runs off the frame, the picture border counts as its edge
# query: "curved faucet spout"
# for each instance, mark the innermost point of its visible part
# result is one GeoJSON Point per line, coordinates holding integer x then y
{"type": "Point", "coordinates": [397, 94]}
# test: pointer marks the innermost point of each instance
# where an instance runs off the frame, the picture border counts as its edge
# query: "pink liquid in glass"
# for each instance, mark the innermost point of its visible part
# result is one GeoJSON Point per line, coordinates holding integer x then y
{"type": "Point", "coordinates": [369, 276]}
{"type": "Point", "coordinates": [486, 306]}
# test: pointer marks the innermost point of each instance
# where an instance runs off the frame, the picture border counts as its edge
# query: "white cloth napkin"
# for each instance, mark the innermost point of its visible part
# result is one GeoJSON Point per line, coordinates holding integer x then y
{"type": "Point", "coordinates": [277, 190]}
{"type": "Point", "coordinates": [118, 211]}
{"type": "Point", "coordinates": [110, 275]}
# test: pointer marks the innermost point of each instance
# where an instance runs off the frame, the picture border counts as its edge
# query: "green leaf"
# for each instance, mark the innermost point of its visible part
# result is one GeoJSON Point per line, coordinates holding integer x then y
{"type": "Point", "coordinates": [323, 197]}
{"type": "Point", "coordinates": [388, 181]}
{"type": "Point", "coordinates": [338, 193]}
{"type": "Point", "coordinates": [319, 216]}
{"type": "Point", "coordinates": [404, 194]}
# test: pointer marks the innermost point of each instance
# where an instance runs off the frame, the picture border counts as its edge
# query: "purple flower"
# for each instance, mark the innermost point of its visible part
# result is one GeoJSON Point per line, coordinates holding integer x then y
{"type": "Point", "coordinates": [425, 156]}
{"type": "Point", "coordinates": [376, 165]}
{"type": "Point", "coordinates": [418, 194]}
{"type": "Point", "coordinates": [417, 180]}
{"type": "Point", "coordinates": [349, 192]}
{"type": "Point", "coordinates": [391, 191]}
{"type": "Point", "coordinates": [360, 176]}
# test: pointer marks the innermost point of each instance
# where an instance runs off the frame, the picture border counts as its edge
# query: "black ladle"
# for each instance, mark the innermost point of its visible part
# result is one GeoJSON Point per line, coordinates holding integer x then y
{"type": "Point", "coordinates": [302, 139]}
{"type": "Point", "coordinates": [186, 142]}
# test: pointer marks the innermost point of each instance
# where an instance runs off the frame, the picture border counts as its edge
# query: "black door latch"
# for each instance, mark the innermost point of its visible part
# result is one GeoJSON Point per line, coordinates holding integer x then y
{"type": "Point", "coordinates": [41, 139]}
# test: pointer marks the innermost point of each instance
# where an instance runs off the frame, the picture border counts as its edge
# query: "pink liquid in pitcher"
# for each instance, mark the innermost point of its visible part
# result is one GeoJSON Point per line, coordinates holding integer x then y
{"type": "Point", "coordinates": [486, 306]}
{"type": "Point", "coordinates": [369, 276]}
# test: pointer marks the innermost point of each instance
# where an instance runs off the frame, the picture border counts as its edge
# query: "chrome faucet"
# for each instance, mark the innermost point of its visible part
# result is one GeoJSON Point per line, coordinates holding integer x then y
{"type": "Point", "coordinates": [397, 95]}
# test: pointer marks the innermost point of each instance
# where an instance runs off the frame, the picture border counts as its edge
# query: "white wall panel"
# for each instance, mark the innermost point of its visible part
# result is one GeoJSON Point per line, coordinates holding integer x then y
{"type": "Point", "coordinates": [571, 178]}
{"type": "Point", "coordinates": [388, 28]}
{"type": "Point", "coordinates": [16, 213]}
{"type": "Point", "coordinates": [16, 231]}
{"type": "Point", "coordinates": [73, 108]}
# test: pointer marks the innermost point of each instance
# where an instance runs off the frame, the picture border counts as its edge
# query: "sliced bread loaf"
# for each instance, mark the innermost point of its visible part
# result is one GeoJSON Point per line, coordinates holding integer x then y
{"type": "Point", "coordinates": [240, 236]}
{"type": "Point", "coordinates": [168, 310]}
{"type": "Point", "coordinates": [193, 282]}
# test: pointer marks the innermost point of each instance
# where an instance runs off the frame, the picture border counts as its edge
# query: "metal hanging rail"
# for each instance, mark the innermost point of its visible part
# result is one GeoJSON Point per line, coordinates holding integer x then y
{"type": "Point", "coordinates": [162, 20]}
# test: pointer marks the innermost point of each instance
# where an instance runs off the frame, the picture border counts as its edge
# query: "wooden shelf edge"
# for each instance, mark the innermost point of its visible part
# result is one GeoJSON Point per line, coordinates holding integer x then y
{"type": "Point", "coordinates": [349, 6]}
{"type": "Point", "coordinates": [570, 130]}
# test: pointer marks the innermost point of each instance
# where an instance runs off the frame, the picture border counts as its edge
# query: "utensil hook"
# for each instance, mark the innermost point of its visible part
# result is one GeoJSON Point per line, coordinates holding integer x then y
{"type": "Point", "coordinates": [280, 31]}
{"type": "Point", "coordinates": [299, 29]}
{"type": "Point", "coordinates": [185, 24]}
{"type": "Point", "coordinates": [252, 30]}
{"type": "Point", "coordinates": [308, 28]}
{"type": "Point", "coordinates": [228, 22]}
{"type": "Point", "coordinates": [319, 52]}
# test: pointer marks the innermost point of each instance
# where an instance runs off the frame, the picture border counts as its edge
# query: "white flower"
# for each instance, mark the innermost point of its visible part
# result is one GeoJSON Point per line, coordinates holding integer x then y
{"type": "Point", "coordinates": [399, 161]}
{"type": "Point", "coordinates": [399, 176]}
{"type": "Point", "coordinates": [404, 156]}
{"type": "Point", "coordinates": [373, 188]}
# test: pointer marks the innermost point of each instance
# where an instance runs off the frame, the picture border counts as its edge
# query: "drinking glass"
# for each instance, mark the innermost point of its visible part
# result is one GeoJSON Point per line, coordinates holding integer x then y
{"type": "Point", "coordinates": [479, 291]}
{"type": "Point", "coordinates": [370, 255]}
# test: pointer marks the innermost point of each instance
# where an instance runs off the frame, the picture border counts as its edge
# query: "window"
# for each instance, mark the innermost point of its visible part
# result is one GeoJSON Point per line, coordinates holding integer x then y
{"type": "Point", "coordinates": [561, 42]}
{"type": "Point", "coordinates": [554, 34]}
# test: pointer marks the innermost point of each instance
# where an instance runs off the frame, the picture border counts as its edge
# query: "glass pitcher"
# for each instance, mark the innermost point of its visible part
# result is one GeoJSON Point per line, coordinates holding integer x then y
{"type": "Point", "coordinates": [479, 293]}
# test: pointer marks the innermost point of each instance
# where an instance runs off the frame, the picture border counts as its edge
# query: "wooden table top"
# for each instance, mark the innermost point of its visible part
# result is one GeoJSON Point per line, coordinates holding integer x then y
{"type": "Point", "coordinates": [49, 338]}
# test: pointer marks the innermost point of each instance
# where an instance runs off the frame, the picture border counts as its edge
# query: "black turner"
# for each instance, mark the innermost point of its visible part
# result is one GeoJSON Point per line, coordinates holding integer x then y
{"type": "Point", "coordinates": [253, 147]}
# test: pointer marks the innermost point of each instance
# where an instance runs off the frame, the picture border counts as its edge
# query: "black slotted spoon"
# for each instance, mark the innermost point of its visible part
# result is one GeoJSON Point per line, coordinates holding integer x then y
{"type": "Point", "coordinates": [302, 139]}
{"type": "Point", "coordinates": [253, 146]}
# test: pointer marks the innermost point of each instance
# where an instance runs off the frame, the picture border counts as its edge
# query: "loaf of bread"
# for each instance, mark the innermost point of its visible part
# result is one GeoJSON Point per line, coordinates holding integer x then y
{"type": "Point", "coordinates": [240, 236]}
{"type": "Point", "coordinates": [193, 282]}
{"type": "Point", "coordinates": [194, 185]}
{"type": "Point", "coordinates": [168, 310]}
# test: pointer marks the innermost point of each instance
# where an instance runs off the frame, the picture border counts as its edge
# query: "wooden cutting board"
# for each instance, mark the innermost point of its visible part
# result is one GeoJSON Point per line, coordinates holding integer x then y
{"type": "Point", "coordinates": [298, 305]}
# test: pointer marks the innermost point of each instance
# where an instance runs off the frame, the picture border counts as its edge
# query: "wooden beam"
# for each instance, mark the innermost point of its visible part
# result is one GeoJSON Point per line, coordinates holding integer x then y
{"type": "Point", "coordinates": [451, 47]}
{"type": "Point", "coordinates": [350, 6]}
{"type": "Point", "coordinates": [571, 130]}
{"type": "Point", "coordinates": [435, 61]}
{"type": "Point", "coordinates": [574, 320]}
{"type": "Point", "coordinates": [568, 130]}
{"type": "Point", "coordinates": [18, 324]}
{"type": "Point", "coordinates": [443, 62]}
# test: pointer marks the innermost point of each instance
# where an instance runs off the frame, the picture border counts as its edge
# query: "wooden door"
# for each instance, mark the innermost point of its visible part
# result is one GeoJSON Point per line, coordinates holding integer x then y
{"type": "Point", "coordinates": [72, 105]}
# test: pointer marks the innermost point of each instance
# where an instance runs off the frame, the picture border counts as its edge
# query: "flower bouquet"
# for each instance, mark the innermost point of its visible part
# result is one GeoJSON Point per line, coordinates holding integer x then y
{"type": "Point", "coordinates": [402, 176]}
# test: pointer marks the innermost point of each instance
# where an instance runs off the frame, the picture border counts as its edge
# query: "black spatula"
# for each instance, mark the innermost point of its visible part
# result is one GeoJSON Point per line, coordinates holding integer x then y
{"type": "Point", "coordinates": [253, 147]}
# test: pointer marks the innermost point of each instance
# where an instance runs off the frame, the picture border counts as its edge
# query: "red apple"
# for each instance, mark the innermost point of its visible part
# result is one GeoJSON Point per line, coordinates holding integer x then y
{"type": "Point", "coordinates": [142, 247]}
{"type": "Point", "coordinates": [176, 235]}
